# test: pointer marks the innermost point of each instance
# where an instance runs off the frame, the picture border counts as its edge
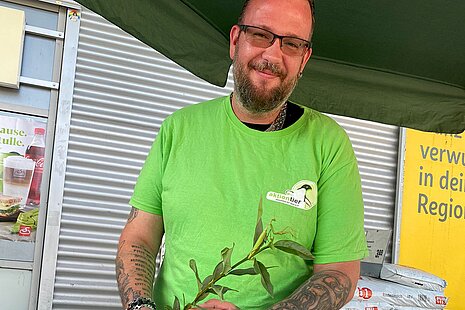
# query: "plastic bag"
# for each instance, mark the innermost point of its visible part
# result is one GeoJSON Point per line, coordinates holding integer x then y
{"type": "Point", "coordinates": [412, 277]}
{"type": "Point", "coordinates": [380, 291]}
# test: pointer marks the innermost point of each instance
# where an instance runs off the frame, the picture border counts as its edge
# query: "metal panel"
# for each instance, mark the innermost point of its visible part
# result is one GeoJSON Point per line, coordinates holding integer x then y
{"type": "Point", "coordinates": [58, 129]}
{"type": "Point", "coordinates": [123, 92]}
{"type": "Point", "coordinates": [375, 146]}
{"type": "Point", "coordinates": [399, 196]}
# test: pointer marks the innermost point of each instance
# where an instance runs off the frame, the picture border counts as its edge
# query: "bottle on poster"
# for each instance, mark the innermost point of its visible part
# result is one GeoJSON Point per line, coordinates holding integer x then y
{"type": "Point", "coordinates": [36, 151]}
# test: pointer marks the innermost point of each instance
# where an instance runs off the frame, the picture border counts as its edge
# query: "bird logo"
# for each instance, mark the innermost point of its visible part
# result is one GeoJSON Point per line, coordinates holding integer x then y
{"type": "Point", "coordinates": [307, 190]}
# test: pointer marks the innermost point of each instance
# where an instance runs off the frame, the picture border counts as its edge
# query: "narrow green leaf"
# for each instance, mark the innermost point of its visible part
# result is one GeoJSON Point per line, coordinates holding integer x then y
{"type": "Point", "coordinates": [226, 254]}
{"type": "Point", "coordinates": [221, 290]}
{"type": "Point", "coordinates": [241, 272]}
{"type": "Point", "coordinates": [168, 307]}
{"type": "Point", "coordinates": [259, 225]}
{"type": "Point", "coordinates": [193, 266]}
{"type": "Point", "coordinates": [218, 289]}
{"type": "Point", "coordinates": [176, 305]}
{"type": "Point", "coordinates": [265, 276]}
{"type": "Point", "coordinates": [260, 209]}
{"type": "Point", "coordinates": [295, 248]}
{"type": "Point", "coordinates": [218, 270]}
{"type": "Point", "coordinates": [204, 295]}
{"type": "Point", "coordinates": [206, 281]}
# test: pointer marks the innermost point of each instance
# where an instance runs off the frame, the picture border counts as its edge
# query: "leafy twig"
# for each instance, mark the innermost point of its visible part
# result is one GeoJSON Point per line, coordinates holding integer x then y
{"type": "Point", "coordinates": [262, 241]}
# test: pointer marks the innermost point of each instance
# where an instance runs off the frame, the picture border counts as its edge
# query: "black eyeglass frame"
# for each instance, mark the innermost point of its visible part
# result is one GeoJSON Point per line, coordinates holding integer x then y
{"type": "Point", "coordinates": [276, 36]}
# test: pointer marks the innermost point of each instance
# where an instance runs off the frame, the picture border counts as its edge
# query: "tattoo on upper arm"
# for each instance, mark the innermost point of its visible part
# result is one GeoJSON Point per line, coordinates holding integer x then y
{"type": "Point", "coordinates": [132, 215]}
{"type": "Point", "coordinates": [326, 290]}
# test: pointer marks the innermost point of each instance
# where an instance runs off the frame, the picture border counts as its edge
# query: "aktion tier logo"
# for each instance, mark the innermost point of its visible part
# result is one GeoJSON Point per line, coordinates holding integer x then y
{"type": "Point", "coordinates": [302, 195]}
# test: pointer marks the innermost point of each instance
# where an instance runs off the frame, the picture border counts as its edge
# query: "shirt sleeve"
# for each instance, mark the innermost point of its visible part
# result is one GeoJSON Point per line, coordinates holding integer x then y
{"type": "Point", "coordinates": [340, 234]}
{"type": "Point", "coordinates": [147, 194]}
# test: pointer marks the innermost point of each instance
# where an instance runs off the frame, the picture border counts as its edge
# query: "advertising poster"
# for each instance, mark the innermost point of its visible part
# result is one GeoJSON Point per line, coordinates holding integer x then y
{"type": "Point", "coordinates": [22, 147]}
{"type": "Point", "coordinates": [432, 231]}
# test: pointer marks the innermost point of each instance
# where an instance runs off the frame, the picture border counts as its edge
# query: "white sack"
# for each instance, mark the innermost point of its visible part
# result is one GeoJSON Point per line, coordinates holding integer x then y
{"type": "Point", "coordinates": [412, 277]}
{"type": "Point", "coordinates": [367, 305]}
{"type": "Point", "coordinates": [375, 290]}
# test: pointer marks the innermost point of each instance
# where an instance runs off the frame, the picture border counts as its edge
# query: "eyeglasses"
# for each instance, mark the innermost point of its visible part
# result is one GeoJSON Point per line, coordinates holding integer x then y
{"type": "Point", "coordinates": [260, 37]}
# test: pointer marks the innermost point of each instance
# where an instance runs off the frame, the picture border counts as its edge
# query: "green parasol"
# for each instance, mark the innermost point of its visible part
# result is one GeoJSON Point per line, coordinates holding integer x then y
{"type": "Point", "coordinates": [400, 63]}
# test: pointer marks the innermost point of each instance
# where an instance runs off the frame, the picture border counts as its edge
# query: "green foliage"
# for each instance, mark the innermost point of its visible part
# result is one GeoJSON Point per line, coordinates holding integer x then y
{"type": "Point", "coordinates": [295, 248]}
{"type": "Point", "coordinates": [265, 276]}
{"type": "Point", "coordinates": [241, 272]}
{"type": "Point", "coordinates": [176, 304]}
{"type": "Point", "coordinates": [226, 255]}
{"type": "Point", "coordinates": [193, 266]}
{"type": "Point", "coordinates": [263, 240]}
{"type": "Point", "coordinates": [259, 225]}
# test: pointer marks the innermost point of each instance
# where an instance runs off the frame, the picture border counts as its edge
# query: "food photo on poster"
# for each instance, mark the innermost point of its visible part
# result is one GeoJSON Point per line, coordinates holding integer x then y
{"type": "Point", "coordinates": [22, 148]}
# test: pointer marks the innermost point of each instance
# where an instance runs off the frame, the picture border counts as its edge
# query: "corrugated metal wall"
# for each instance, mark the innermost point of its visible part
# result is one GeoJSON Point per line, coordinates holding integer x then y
{"type": "Point", "coordinates": [376, 147]}
{"type": "Point", "coordinates": [123, 92]}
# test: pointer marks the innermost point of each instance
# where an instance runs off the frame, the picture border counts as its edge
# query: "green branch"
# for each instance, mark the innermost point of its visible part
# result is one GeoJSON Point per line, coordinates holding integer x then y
{"type": "Point", "coordinates": [262, 241]}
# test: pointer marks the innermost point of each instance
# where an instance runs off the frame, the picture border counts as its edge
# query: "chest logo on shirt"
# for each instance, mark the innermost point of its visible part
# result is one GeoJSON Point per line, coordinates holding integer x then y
{"type": "Point", "coordinates": [302, 195]}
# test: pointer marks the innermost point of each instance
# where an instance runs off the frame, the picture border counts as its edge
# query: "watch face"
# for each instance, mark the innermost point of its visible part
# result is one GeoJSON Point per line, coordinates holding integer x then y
{"type": "Point", "coordinates": [141, 302]}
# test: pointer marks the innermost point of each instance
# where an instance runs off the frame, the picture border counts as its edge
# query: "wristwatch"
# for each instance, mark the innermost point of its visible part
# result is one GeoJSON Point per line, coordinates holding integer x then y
{"type": "Point", "coordinates": [140, 302]}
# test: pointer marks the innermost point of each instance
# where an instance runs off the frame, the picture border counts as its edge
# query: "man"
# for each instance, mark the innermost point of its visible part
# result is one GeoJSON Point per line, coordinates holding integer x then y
{"type": "Point", "coordinates": [211, 163]}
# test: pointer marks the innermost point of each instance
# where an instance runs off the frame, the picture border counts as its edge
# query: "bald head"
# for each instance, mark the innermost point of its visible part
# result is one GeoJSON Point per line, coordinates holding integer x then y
{"type": "Point", "coordinates": [245, 7]}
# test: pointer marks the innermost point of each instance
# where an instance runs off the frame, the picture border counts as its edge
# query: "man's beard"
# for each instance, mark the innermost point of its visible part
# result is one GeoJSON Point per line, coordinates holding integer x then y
{"type": "Point", "coordinates": [260, 100]}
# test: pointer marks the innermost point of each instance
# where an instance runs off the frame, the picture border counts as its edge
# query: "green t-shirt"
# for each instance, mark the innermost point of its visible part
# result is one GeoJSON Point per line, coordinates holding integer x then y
{"type": "Point", "coordinates": [205, 175]}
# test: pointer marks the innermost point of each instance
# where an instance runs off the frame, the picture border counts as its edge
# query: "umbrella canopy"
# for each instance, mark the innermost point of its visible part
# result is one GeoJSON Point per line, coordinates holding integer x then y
{"type": "Point", "coordinates": [400, 63]}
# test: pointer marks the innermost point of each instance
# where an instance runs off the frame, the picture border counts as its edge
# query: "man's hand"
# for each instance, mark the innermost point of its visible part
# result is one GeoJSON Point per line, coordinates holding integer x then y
{"type": "Point", "coordinates": [217, 304]}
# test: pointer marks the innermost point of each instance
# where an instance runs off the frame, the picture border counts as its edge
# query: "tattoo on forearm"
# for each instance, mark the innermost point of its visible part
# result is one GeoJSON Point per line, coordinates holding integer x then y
{"type": "Point", "coordinates": [140, 263]}
{"type": "Point", "coordinates": [144, 265]}
{"type": "Point", "coordinates": [326, 290]}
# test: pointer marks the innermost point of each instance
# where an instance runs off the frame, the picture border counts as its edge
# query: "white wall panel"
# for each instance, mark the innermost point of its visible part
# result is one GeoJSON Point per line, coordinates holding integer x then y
{"type": "Point", "coordinates": [375, 146]}
{"type": "Point", "coordinates": [123, 91]}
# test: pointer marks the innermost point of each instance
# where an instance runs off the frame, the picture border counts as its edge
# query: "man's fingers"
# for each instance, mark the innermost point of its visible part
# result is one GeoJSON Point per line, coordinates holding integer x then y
{"type": "Point", "coordinates": [218, 304]}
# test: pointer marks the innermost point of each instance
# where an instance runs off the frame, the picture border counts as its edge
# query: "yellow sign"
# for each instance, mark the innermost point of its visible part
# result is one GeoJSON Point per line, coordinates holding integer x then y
{"type": "Point", "coordinates": [432, 232]}
{"type": "Point", "coordinates": [12, 24]}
